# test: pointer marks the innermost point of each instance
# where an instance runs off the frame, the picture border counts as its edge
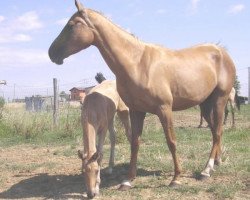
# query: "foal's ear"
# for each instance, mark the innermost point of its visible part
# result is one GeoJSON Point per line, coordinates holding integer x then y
{"type": "Point", "coordinates": [96, 157]}
{"type": "Point", "coordinates": [81, 155]}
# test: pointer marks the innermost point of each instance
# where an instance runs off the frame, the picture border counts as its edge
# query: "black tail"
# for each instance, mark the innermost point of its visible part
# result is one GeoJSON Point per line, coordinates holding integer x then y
{"type": "Point", "coordinates": [237, 100]}
{"type": "Point", "coordinates": [99, 77]}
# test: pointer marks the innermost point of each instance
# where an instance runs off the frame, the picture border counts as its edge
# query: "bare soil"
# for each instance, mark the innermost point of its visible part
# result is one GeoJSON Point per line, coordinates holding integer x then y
{"type": "Point", "coordinates": [33, 172]}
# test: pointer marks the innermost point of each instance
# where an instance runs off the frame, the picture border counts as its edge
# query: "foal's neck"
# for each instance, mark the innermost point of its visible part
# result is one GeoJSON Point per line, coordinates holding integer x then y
{"type": "Point", "coordinates": [121, 50]}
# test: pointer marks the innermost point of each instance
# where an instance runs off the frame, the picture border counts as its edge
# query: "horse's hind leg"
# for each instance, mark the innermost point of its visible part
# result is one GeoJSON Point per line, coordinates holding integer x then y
{"type": "Point", "coordinates": [201, 119]}
{"type": "Point", "coordinates": [226, 114]}
{"type": "Point", "coordinates": [215, 119]}
{"type": "Point", "coordinates": [232, 106]}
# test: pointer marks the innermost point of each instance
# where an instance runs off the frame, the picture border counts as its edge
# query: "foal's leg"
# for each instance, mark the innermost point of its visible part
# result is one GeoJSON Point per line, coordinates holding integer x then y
{"type": "Point", "coordinates": [101, 137]}
{"type": "Point", "coordinates": [201, 119]}
{"type": "Point", "coordinates": [216, 128]}
{"type": "Point", "coordinates": [226, 114]}
{"type": "Point", "coordinates": [165, 116]}
{"type": "Point", "coordinates": [124, 117]}
{"type": "Point", "coordinates": [232, 106]}
{"type": "Point", "coordinates": [137, 119]}
{"type": "Point", "coordinates": [112, 138]}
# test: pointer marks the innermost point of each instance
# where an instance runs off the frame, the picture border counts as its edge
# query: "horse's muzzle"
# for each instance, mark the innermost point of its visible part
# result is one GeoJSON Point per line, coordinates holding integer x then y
{"type": "Point", "coordinates": [91, 195]}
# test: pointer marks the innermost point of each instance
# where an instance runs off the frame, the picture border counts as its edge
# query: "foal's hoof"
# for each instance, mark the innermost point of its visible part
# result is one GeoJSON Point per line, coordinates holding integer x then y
{"type": "Point", "coordinates": [125, 186]}
{"type": "Point", "coordinates": [175, 184]}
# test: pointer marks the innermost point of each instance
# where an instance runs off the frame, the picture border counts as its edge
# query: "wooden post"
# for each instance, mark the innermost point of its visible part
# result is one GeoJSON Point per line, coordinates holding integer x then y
{"type": "Point", "coordinates": [55, 106]}
{"type": "Point", "coordinates": [248, 85]}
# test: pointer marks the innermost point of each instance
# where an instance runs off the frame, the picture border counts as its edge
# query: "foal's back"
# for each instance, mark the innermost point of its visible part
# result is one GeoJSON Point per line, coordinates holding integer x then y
{"type": "Point", "coordinates": [101, 103]}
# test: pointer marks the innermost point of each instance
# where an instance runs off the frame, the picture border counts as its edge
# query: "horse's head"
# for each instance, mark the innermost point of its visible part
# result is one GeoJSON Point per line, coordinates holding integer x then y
{"type": "Point", "coordinates": [76, 35]}
{"type": "Point", "coordinates": [91, 169]}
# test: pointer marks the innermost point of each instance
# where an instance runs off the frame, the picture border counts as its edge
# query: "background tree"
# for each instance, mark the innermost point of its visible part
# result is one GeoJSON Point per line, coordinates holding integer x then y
{"type": "Point", "coordinates": [64, 95]}
{"type": "Point", "coordinates": [2, 102]}
{"type": "Point", "coordinates": [237, 85]}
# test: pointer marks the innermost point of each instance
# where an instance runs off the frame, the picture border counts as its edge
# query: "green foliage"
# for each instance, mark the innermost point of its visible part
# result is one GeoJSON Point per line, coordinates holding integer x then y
{"type": "Point", "coordinates": [19, 125]}
{"type": "Point", "coordinates": [237, 85]}
{"type": "Point", "coordinates": [2, 102]}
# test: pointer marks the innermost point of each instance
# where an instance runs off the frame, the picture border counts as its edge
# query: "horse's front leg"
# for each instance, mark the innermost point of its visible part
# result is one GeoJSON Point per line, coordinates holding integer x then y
{"type": "Point", "coordinates": [137, 119]}
{"type": "Point", "coordinates": [165, 116]}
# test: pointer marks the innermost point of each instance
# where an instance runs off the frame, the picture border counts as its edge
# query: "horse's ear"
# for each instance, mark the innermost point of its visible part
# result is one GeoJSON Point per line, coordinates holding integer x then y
{"type": "Point", "coordinates": [79, 6]}
{"type": "Point", "coordinates": [96, 157]}
{"type": "Point", "coordinates": [81, 155]}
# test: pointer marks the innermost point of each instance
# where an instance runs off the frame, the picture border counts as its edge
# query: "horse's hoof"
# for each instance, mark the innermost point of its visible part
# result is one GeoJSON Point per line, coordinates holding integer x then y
{"type": "Point", "coordinates": [125, 186]}
{"type": "Point", "coordinates": [175, 184]}
{"type": "Point", "coordinates": [203, 177]}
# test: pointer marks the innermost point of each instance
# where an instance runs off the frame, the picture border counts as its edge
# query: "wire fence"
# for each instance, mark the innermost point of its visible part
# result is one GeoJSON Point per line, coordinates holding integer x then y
{"type": "Point", "coordinates": [17, 92]}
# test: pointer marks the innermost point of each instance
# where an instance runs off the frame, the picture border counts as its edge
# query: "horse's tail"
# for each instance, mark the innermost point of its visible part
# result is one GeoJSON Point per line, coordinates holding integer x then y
{"type": "Point", "coordinates": [237, 100]}
{"type": "Point", "coordinates": [99, 77]}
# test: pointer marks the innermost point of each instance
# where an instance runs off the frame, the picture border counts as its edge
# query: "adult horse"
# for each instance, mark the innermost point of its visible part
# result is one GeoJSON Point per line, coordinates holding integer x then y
{"type": "Point", "coordinates": [234, 102]}
{"type": "Point", "coordinates": [98, 111]}
{"type": "Point", "coordinates": [154, 79]}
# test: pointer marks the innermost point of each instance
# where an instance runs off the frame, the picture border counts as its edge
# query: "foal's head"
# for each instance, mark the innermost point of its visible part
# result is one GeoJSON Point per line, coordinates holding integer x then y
{"type": "Point", "coordinates": [75, 36]}
{"type": "Point", "coordinates": [91, 170]}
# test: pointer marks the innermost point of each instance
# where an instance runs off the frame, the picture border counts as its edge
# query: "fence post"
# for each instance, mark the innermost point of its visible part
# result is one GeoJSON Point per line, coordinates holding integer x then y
{"type": "Point", "coordinates": [248, 85]}
{"type": "Point", "coordinates": [55, 106]}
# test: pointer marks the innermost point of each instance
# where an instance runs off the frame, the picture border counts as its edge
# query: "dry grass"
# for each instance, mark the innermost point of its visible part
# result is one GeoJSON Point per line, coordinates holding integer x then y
{"type": "Point", "coordinates": [52, 171]}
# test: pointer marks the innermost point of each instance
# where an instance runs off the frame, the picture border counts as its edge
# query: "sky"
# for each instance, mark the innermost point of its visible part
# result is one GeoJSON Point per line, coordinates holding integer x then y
{"type": "Point", "coordinates": [28, 27]}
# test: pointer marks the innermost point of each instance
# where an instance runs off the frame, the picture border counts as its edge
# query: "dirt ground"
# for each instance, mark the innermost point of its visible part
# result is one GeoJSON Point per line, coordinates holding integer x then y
{"type": "Point", "coordinates": [32, 172]}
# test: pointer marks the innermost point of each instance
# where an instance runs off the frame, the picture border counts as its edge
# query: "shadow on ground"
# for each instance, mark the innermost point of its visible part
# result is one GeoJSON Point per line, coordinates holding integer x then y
{"type": "Point", "coordinates": [65, 186]}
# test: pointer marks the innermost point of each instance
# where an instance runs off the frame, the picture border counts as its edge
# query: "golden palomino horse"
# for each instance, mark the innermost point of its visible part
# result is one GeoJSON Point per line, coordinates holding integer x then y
{"type": "Point", "coordinates": [154, 79]}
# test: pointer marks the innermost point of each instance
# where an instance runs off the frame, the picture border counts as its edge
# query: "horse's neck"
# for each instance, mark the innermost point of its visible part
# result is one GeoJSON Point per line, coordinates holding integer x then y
{"type": "Point", "coordinates": [121, 50]}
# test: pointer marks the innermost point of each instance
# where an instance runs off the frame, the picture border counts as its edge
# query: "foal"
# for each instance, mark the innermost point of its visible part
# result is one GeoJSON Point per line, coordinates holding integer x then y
{"type": "Point", "coordinates": [98, 111]}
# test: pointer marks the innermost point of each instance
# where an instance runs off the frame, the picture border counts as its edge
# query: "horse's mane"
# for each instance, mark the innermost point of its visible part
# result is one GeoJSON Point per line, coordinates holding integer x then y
{"type": "Point", "coordinates": [116, 25]}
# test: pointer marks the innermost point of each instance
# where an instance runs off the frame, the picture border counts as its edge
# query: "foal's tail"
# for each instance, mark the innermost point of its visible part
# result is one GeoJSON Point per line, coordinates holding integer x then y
{"type": "Point", "coordinates": [99, 77]}
{"type": "Point", "coordinates": [237, 100]}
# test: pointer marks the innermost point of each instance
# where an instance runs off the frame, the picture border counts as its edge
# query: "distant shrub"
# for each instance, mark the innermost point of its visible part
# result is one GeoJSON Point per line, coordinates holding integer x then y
{"type": "Point", "coordinates": [2, 102]}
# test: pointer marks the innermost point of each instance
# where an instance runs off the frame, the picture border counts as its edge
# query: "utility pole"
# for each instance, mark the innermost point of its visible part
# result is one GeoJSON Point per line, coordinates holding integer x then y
{"type": "Point", "coordinates": [14, 95]}
{"type": "Point", "coordinates": [248, 85]}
